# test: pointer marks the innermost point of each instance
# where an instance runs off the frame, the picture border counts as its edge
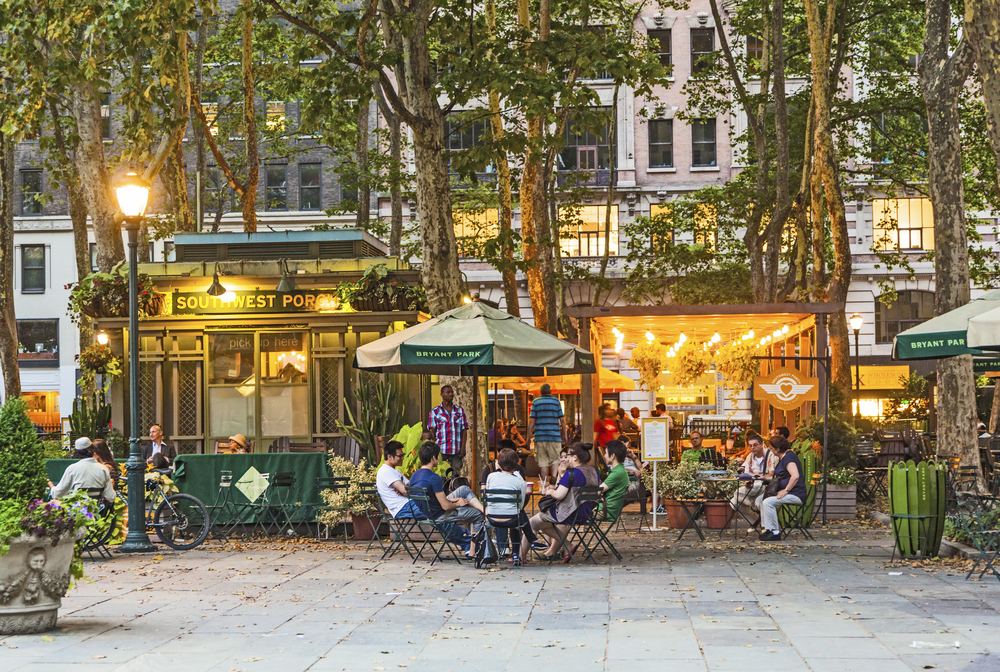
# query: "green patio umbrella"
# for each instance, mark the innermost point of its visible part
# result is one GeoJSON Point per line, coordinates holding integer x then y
{"type": "Point", "coordinates": [945, 335]}
{"type": "Point", "coordinates": [474, 340]}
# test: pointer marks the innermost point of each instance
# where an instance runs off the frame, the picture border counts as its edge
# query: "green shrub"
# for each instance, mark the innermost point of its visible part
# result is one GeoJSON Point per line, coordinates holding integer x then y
{"type": "Point", "coordinates": [22, 461]}
{"type": "Point", "coordinates": [53, 450]}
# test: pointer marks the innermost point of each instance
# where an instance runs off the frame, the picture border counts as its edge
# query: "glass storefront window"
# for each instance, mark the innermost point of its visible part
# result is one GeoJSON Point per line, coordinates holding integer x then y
{"type": "Point", "coordinates": [232, 384]}
{"type": "Point", "coordinates": [284, 398]}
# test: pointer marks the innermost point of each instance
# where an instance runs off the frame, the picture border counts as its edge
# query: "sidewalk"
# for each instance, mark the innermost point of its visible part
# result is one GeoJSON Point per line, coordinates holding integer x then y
{"type": "Point", "coordinates": [827, 606]}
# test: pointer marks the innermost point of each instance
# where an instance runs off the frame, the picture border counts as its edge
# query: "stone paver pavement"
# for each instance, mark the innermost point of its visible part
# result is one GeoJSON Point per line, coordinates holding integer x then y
{"type": "Point", "coordinates": [826, 606]}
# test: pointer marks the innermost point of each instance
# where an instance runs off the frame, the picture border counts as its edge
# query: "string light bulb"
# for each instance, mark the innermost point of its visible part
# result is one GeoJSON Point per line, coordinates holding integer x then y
{"type": "Point", "coordinates": [716, 338]}
{"type": "Point", "coordinates": [784, 329]}
{"type": "Point", "coordinates": [650, 336]}
{"type": "Point", "coordinates": [750, 333]}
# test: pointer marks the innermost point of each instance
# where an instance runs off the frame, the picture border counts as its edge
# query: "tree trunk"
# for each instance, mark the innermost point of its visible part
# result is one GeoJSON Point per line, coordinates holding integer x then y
{"type": "Point", "coordinates": [995, 410]}
{"type": "Point", "coordinates": [174, 178]}
{"type": "Point", "coordinates": [825, 173]}
{"type": "Point", "coordinates": [363, 217]}
{"type": "Point", "coordinates": [505, 205]}
{"type": "Point", "coordinates": [942, 79]}
{"type": "Point", "coordinates": [529, 236]}
{"type": "Point", "coordinates": [201, 155]}
{"type": "Point", "coordinates": [248, 199]}
{"type": "Point", "coordinates": [982, 28]}
{"type": "Point", "coordinates": [8, 321]}
{"type": "Point", "coordinates": [395, 174]}
{"type": "Point", "coordinates": [92, 169]}
{"type": "Point", "coordinates": [545, 244]}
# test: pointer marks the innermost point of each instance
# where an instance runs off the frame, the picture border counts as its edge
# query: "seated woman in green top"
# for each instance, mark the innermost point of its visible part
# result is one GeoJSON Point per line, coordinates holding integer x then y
{"type": "Point", "coordinates": [615, 485]}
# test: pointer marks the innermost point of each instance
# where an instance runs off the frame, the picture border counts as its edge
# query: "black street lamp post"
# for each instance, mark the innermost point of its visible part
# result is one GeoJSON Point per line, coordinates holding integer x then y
{"type": "Point", "coordinates": [133, 194]}
{"type": "Point", "coordinates": [856, 322]}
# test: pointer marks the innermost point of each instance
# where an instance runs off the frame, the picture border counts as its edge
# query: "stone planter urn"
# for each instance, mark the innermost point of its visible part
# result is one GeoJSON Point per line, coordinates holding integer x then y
{"type": "Point", "coordinates": [34, 577]}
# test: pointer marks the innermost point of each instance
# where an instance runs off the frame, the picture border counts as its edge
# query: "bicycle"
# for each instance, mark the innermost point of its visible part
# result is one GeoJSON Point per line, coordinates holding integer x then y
{"type": "Point", "coordinates": [181, 521]}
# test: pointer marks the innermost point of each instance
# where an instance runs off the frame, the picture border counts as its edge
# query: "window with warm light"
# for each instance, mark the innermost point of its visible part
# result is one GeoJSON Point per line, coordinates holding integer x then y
{"type": "Point", "coordinates": [903, 223]}
{"type": "Point", "coordinates": [473, 226]}
{"type": "Point", "coordinates": [276, 115]}
{"type": "Point", "coordinates": [705, 225]}
{"type": "Point", "coordinates": [583, 231]}
{"type": "Point", "coordinates": [210, 105]}
{"type": "Point", "coordinates": [663, 226]}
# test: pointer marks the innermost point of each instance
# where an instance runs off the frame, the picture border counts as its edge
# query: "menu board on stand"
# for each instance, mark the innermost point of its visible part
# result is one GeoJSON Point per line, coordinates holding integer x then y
{"type": "Point", "coordinates": [655, 449]}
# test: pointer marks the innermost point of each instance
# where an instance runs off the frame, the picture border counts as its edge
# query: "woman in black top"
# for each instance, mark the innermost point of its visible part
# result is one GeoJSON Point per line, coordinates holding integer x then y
{"type": "Point", "coordinates": [788, 473]}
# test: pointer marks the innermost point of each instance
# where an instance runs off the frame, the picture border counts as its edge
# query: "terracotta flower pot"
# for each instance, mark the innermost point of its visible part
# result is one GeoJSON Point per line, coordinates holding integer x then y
{"type": "Point", "coordinates": [675, 513]}
{"type": "Point", "coordinates": [34, 577]}
{"type": "Point", "coordinates": [363, 530]}
{"type": "Point", "coordinates": [718, 515]}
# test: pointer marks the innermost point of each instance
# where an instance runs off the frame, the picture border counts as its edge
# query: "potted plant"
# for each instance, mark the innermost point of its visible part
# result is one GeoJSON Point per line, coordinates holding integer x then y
{"type": "Point", "coordinates": [675, 483]}
{"type": "Point", "coordinates": [649, 360]}
{"type": "Point", "coordinates": [738, 366]}
{"type": "Point", "coordinates": [692, 362]}
{"type": "Point", "coordinates": [351, 500]}
{"type": "Point", "coordinates": [377, 291]}
{"type": "Point", "coordinates": [99, 360]}
{"type": "Point", "coordinates": [39, 556]}
{"type": "Point", "coordinates": [106, 295]}
{"type": "Point", "coordinates": [841, 493]}
{"type": "Point", "coordinates": [718, 511]}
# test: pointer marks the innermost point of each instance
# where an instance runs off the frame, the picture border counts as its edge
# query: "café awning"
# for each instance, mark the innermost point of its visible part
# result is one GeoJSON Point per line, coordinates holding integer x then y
{"type": "Point", "coordinates": [610, 381]}
{"type": "Point", "coordinates": [946, 335]}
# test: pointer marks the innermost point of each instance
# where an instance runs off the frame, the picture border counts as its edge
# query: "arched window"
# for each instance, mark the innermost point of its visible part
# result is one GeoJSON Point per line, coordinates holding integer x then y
{"type": "Point", "coordinates": [910, 308]}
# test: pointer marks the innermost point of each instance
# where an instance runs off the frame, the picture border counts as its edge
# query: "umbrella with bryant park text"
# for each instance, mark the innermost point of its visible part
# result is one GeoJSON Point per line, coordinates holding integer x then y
{"type": "Point", "coordinates": [967, 330]}
{"type": "Point", "coordinates": [474, 340]}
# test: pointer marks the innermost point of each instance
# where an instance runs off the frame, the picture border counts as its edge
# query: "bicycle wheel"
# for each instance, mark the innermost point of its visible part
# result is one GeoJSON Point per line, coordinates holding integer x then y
{"type": "Point", "coordinates": [181, 522]}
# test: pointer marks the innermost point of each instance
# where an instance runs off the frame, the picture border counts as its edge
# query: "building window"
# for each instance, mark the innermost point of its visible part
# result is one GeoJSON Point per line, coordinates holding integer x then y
{"type": "Point", "coordinates": [106, 115]}
{"type": "Point", "coordinates": [662, 235]}
{"type": "Point", "coordinates": [93, 257]}
{"type": "Point", "coordinates": [907, 310]}
{"type": "Point", "coordinates": [309, 185]}
{"type": "Point", "coordinates": [219, 195]}
{"type": "Point", "coordinates": [276, 187]}
{"type": "Point", "coordinates": [587, 149]}
{"type": "Point", "coordinates": [705, 225]}
{"type": "Point", "coordinates": [755, 53]}
{"type": "Point", "coordinates": [276, 115]}
{"type": "Point", "coordinates": [903, 223]}
{"type": "Point", "coordinates": [473, 228]}
{"type": "Point", "coordinates": [38, 342]}
{"type": "Point", "coordinates": [703, 142]}
{"type": "Point", "coordinates": [702, 49]}
{"type": "Point", "coordinates": [168, 250]}
{"type": "Point", "coordinates": [32, 269]}
{"type": "Point", "coordinates": [31, 192]}
{"type": "Point", "coordinates": [462, 133]}
{"type": "Point", "coordinates": [659, 43]}
{"type": "Point", "coordinates": [661, 143]}
{"type": "Point", "coordinates": [582, 231]}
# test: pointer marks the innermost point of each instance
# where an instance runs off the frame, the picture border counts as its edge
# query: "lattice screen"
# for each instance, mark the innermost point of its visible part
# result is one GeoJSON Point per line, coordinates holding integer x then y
{"type": "Point", "coordinates": [148, 403]}
{"type": "Point", "coordinates": [187, 398]}
{"type": "Point", "coordinates": [329, 394]}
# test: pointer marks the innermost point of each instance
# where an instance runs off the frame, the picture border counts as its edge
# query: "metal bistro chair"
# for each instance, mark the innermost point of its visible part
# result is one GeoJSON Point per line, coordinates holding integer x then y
{"type": "Point", "coordinates": [374, 516]}
{"type": "Point", "coordinates": [587, 499]}
{"type": "Point", "coordinates": [596, 534]}
{"type": "Point", "coordinates": [226, 514]}
{"type": "Point", "coordinates": [792, 516]}
{"type": "Point", "coordinates": [972, 515]}
{"type": "Point", "coordinates": [399, 532]}
{"type": "Point", "coordinates": [280, 504]}
{"type": "Point", "coordinates": [502, 496]}
{"type": "Point", "coordinates": [99, 533]}
{"type": "Point", "coordinates": [333, 484]}
{"type": "Point", "coordinates": [429, 528]}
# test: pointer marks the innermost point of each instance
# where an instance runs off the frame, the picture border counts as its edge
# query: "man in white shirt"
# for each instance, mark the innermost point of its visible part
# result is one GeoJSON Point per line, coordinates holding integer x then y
{"type": "Point", "coordinates": [391, 484]}
{"type": "Point", "coordinates": [84, 474]}
{"type": "Point", "coordinates": [760, 461]}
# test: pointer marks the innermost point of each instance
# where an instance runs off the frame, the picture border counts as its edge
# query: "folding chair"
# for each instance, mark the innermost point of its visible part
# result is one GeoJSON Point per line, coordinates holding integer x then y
{"type": "Point", "coordinates": [375, 517]}
{"type": "Point", "coordinates": [399, 532]}
{"type": "Point", "coordinates": [972, 512]}
{"type": "Point", "coordinates": [587, 499]}
{"type": "Point", "coordinates": [329, 483]}
{"type": "Point", "coordinates": [428, 527]}
{"type": "Point", "coordinates": [597, 531]}
{"type": "Point", "coordinates": [98, 534]}
{"type": "Point", "coordinates": [500, 496]}
{"type": "Point", "coordinates": [225, 514]}
{"type": "Point", "coordinates": [280, 503]}
{"type": "Point", "coordinates": [792, 516]}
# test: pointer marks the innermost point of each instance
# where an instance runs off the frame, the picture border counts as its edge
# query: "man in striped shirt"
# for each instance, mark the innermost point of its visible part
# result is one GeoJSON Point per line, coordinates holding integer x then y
{"type": "Point", "coordinates": [447, 425]}
{"type": "Point", "coordinates": [547, 426]}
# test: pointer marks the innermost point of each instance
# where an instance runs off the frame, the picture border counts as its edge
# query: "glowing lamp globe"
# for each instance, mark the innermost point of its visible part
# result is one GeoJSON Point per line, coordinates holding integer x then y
{"type": "Point", "coordinates": [856, 321]}
{"type": "Point", "coordinates": [133, 195]}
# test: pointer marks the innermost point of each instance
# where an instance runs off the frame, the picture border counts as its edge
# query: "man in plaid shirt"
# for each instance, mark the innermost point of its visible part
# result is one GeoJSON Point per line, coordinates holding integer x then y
{"type": "Point", "coordinates": [447, 425]}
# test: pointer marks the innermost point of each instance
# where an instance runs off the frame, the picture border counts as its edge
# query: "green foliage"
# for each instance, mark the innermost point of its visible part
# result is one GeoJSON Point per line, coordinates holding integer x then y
{"type": "Point", "coordinates": [689, 364]}
{"type": "Point", "coordinates": [377, 287]}
{"type": "Point", "coordinates": [724, 490]}
{"type": "Point", "coordinates": [22, 461]}
{"type": "Point", "coordinates": [380, 413]}
{"type": "Point", "coordinates": [350, 500]}
{"type": "Point", "coordinates": [842, 476]}
{"type": "Point", "coordinates": [409, 436]}
{"type": "Point", "coordinates": [675, 482]}
{"type": "Point", "coordinates": [728, 284]}
{"type": "Point", "coordinates": [913, 401]}
{"type": "Point", "coordinates": [53, 450]}
{"type": "Point", "coordinates": [737, 363]}
{"type": "Point", "coordinates": [841, 437]}
{"type": "Point", "coordinates": [99, 359]}
{"type": "Point", "coordinates": [649, 359]}
{"type": "Point", "coordinates": [106, 295]}
{"type": "Point", "coordinates": [91, 419]}
{"type": "Point", "coordinates": [118, 444]}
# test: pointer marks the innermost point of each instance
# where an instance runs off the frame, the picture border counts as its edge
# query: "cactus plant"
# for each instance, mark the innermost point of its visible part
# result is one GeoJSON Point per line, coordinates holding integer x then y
{"type": "Point", "coordinates": [919, 490]}
{"type": "Point", "coordinates": [92, 419]}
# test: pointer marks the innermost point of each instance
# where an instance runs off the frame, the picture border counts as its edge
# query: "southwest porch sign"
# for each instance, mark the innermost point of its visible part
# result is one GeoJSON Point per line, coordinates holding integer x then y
{"type": "Point", "coordinates": [786, 388]}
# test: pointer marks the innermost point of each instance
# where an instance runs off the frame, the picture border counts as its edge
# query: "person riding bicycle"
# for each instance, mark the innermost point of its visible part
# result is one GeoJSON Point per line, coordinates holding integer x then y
{"type": "Point", "coordinates": [85, 474]}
